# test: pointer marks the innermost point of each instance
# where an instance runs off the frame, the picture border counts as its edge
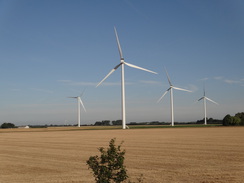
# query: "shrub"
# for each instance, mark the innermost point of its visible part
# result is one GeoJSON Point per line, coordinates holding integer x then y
{"type": "Point", "coordinates": [7, 125]}
{"type": "Point", "coordinates": [109, 167]}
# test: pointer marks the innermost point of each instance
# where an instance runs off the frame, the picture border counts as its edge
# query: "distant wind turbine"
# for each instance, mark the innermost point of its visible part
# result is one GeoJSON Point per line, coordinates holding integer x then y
{"type": "Point", "coordinates": [80, 103]}
{"type": "Point", "coordinates": [204, 98]}
{"type": "Point", "coordinates": [122, 63]}
{"type": "Point", "coordinates": [171, 96]}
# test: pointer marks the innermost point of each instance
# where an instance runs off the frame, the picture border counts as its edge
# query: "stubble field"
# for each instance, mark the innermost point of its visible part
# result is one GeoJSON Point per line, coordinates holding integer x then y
{"type": "Point", "coordinates": [162, 155]}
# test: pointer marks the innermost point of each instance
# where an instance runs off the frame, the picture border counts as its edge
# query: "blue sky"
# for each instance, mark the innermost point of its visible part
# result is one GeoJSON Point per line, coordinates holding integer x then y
{"type": "Point", "coordinates": [50, 50]}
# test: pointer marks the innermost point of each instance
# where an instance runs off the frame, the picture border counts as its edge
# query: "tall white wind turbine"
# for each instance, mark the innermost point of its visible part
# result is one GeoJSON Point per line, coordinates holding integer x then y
{"type": "Point", "coordinates": [204, 98]}
{"type": "Point", "coordinates": [122, 63]}
{"type": "Point", "coordinates": [79, 103]}
{"type": "Point", "coordinates": [171, 87]}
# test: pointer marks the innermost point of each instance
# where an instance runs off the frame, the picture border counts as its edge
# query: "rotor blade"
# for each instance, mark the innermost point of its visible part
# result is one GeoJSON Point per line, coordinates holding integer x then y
{"type": "Point", "coordinates": [168, 77]}
{"type": "Point", "coordinates": [82, 92]}
{"type": "Point", "coordinates": [195, 101]}
{"type": "Point", "coordinates": [163, 95]}
{"type": "Point", "coordinates": [211, 100]}
{"type": "Point", "coordinates": [71, 97]}
{"type": "Point", "coordinates": [82, 104]}
{"type": "Point", "coordinates": [181, 89]}
{"type": "Point", "coordinates": [137, 67]}
{"type": "Point", "coordinates": [200, 99]}
{"type": "Point", "coordinates": [204, 93]}
{"type": "Point", "coordinates": [119, 47]}
{"type": "Point", "coordinates": [116, 67]}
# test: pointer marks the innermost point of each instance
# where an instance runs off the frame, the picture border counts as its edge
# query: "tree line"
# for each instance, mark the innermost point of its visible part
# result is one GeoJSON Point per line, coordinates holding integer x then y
{"type": "Point", "coordinates": [119, 122]}
{"type": "Point", "coordinates": [228, 120]}
{"type": "Point", "coordinates": [237, 120]}
{"type": "Point", "coordinates": [108, 123]}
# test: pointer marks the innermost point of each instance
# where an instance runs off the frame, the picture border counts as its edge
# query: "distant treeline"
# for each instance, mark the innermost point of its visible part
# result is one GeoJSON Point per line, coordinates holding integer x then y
{"type": "Point", "coordinates": [51, 125]}
{"type": "Point", "coordinates": [119, 122]}
{"type": "Point", "coordinates": [108, 123]}
{"type": "Point", "coordinates": [237, 120]}
{"type": "Point", "coordinates": [210, 121]}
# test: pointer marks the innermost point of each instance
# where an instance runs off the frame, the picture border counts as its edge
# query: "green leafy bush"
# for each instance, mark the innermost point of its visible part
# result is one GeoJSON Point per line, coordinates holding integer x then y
{"type": "Point", "coordinates": [8, 125]}
{"type": "Point", "coordinates": [109, 167]}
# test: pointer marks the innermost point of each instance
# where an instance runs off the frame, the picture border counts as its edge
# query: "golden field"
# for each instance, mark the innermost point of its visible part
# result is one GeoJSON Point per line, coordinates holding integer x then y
{"type": "Point", "coordinates": [188, 155]}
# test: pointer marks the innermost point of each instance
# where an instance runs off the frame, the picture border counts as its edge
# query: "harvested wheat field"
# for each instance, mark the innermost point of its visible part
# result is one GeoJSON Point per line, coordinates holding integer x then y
{"type": "Point", "coordinates": [58, 155]}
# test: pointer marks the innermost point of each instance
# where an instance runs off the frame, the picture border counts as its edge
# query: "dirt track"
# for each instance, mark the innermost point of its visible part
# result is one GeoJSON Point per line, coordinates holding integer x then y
{"type": "Point", "coordinates": [205, 155]}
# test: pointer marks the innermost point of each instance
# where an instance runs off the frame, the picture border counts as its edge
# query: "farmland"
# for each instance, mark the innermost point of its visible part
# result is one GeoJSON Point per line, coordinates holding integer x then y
{"type": "Point", "coordinates": [52, 155]}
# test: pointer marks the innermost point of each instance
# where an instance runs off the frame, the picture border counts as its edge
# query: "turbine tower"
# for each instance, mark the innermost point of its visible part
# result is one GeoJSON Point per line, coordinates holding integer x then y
{"type": "Point", "coordinates": [122, 63]}
{"type": "Point", "coordinates": [171, 87]}
{"type": "Point", "coordinates": [204, 98]}
{"type": "Point", "coordinates": [79, 103]}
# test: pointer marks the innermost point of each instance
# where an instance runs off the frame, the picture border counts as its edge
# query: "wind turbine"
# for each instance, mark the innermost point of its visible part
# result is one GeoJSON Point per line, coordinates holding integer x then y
{"type": "Point", "coordinates": [204, 98]}
{"type": "Point", "coordinates": [122, 63]}
{"type": "Point", "coordinates": [79, 103]}
{"type": "Point", "coordinates": [171, 87]}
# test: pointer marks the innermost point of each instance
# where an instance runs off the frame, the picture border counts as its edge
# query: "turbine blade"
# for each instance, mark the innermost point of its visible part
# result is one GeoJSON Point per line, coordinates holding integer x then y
{"type": "Point", "coordinates": [137, 67]}
{"type": "Point", "coordinates": [200, 99]}
{"type": "Point", "coordinates": [82, 104]}
{"type": "Point", "coordinates": [168, 77]}
{"type": "Point", "coordinates": [196, 101]}
{"type": "Point", "coordinates": [116, 67]}
{"type": "Point", "coordinates": [181, 89]}
{"type": "Point", "coordinates": [204, 92]}
{"type": "Point", "coordinates": [71, 97]}
{"type": "Point", "coordinates": [119, 47]}
{"type": "Point", "coordinates": [211, 100]}
{"type": "Point", "coordinates": [82, 92]}
{"type": "Point", "coordinates": [163, 95]}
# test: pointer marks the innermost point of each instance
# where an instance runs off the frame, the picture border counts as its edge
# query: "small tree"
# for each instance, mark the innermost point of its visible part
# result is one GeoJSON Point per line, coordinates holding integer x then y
{"type": "Point", "coordinates": [241, 116]}
{"type": "Point", "coordinates": [7, 125]}
{"type": "Point", "coordinates": [227, 120]}
{"type": "Point", "coordinates": [109, 167]}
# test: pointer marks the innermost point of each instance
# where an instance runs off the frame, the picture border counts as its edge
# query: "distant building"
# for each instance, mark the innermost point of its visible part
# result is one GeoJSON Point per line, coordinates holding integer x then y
{"type": "Point", "coordinates": [24, 126]}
